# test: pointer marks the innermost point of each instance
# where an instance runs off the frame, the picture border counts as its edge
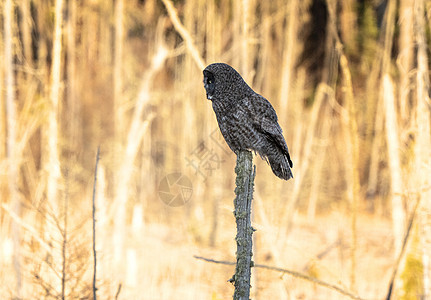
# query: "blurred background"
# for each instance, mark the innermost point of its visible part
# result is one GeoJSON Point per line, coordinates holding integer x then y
{"type": "Point", "coordinates": [349, 81]}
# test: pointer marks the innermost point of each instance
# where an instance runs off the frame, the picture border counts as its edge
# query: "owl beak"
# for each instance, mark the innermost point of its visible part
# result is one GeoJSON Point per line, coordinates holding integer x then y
{"type": "Point", "coordinates": [209, 97]}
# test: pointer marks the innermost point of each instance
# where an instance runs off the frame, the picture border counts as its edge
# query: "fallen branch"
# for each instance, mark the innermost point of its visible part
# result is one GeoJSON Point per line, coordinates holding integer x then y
{"type": "Point", "coordinates": [293, 273]}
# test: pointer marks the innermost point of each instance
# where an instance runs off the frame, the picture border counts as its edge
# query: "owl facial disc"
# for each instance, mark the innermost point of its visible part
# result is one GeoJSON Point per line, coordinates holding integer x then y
{"type": "Point", "coordinates": [209, 84]}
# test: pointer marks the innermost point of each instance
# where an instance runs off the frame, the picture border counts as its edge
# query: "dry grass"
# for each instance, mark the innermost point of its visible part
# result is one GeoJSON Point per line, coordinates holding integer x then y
{"type": "Point", "coordinates": [127, 75]}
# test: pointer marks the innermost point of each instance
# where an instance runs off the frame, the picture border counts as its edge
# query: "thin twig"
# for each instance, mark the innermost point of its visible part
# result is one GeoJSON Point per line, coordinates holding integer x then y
{"type": "Point", "coordinates": [64, 246]}
{"type": "Point", "coordinates": [403, 250]}
{"type": "Point", "coordinates": [184, 34]}
{"type": "Point", "coordinates": [94, 224]}
{"type": "Point", "coordinates": [293, 273]}
{"type": "Point", "coordinates": [222, 262]}
{"type": "Point", "coordinates": [118, 291]}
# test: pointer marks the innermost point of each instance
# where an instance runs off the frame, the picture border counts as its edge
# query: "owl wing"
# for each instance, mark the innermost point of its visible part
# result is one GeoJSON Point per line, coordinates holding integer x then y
{"type": "Point", "coordinates": [264, 116]}
{"type": "Point", "coordinates": [265, 119]}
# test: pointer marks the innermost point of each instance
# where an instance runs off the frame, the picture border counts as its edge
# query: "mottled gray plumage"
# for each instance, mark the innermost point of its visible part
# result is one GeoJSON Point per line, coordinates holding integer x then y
{"type": "Point", "coordinates": [247, 120]}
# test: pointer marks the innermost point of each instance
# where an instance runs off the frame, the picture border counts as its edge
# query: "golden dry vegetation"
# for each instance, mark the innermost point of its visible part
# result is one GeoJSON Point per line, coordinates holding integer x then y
{"type": "Point", "coordinates": [349, 81]}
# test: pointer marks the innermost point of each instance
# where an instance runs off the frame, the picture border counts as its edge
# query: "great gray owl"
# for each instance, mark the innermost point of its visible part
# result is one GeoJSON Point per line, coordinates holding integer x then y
{"type": "Point", "coordinates": [247, 120]}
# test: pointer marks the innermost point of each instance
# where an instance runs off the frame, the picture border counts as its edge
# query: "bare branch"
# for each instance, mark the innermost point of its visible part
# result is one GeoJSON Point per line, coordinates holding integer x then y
{"type": "Point", "coordinates": [290, 272]}
{"type": "Point", "coordinates": [94, 224]}
{"type": "Point", "coordinates": [402, 251]}
{"type": "Point", "coordinates": [184, 34]}
{"type": "Point", "coordinates": [64, 233]}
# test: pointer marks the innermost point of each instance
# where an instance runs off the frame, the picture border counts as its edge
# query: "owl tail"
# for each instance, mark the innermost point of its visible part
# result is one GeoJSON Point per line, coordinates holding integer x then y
{"type": "Point", "coordinates": [280, 164]}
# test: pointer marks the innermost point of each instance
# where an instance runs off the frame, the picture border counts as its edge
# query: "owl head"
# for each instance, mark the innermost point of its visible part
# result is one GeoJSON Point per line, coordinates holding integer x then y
{"type": "Point", "coordinates": [223, 83]}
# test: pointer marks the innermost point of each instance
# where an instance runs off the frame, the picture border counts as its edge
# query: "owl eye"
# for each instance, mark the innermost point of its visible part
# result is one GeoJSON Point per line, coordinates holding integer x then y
{"type": "Point", "coordinates": [209, 84]}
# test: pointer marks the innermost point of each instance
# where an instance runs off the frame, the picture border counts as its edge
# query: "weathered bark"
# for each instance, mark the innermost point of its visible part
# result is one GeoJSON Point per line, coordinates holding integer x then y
{"type": "Point", "coordinates": [242, 203]}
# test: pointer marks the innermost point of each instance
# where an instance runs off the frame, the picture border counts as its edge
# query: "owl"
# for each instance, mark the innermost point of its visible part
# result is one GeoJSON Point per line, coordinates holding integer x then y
{"type": "Point", "coordinates": [247, 120]}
